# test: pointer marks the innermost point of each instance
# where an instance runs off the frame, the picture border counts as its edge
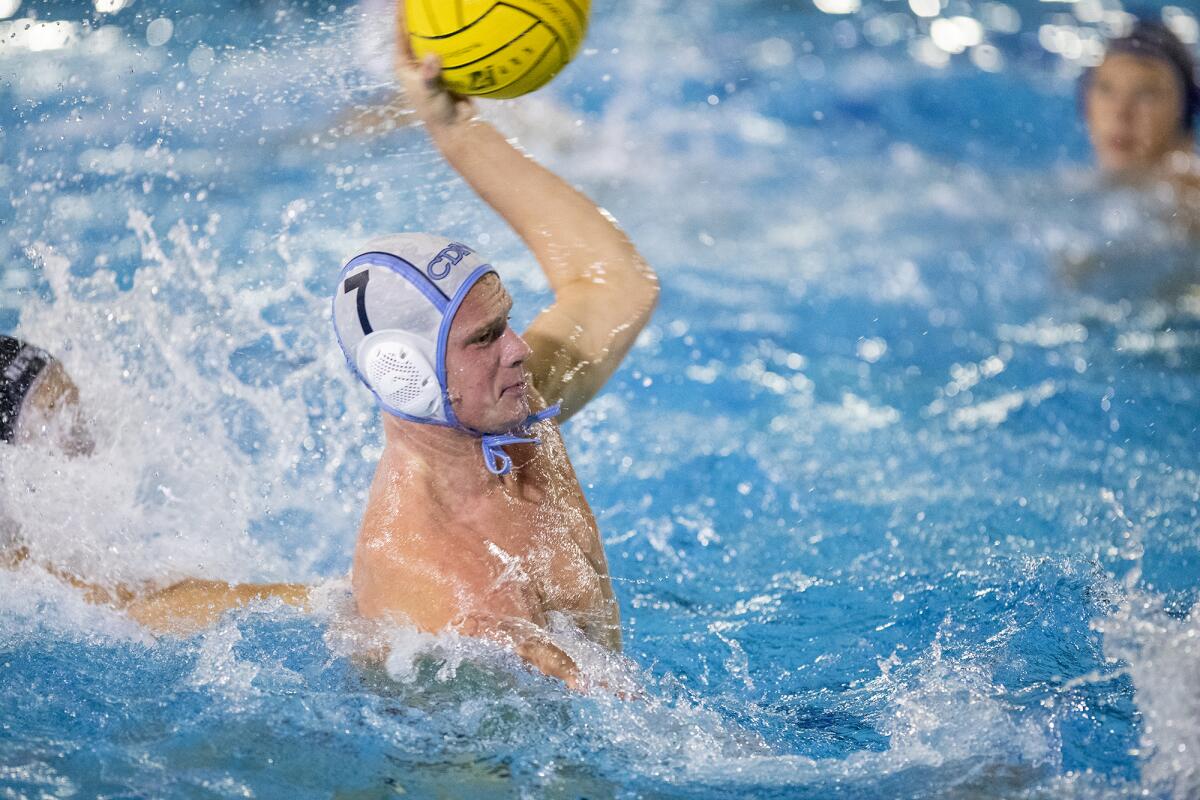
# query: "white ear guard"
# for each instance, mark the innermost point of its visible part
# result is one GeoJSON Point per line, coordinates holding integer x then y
{"type": "Point", "coordinates": [398, 366]}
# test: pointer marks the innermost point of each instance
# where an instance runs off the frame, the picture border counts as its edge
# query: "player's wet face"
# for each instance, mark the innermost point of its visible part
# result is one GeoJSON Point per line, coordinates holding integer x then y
{"type": "Point", "coordinates": [1134, 112]}
{"type": "Point", "coordinates": [485, 361]}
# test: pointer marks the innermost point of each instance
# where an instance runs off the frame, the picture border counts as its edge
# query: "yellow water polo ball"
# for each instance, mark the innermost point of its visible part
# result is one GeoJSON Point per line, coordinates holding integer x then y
{"type": "Point", "coordinates": [497, 48]}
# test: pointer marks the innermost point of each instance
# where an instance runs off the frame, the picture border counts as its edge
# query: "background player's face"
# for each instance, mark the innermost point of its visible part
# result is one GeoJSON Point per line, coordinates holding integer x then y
{"type": "Point", "coordinates": [1134, 112]}
{"type": "Point", "coordinates": [485, 361]}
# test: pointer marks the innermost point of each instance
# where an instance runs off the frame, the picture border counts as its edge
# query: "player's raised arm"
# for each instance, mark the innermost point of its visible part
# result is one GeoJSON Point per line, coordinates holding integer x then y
{"type": "Point", "coordinates": [604, 292]}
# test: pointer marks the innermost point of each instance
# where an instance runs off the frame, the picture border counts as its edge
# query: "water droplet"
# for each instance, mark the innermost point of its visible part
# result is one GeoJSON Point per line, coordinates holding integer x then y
{"type": "Point", "coordinates": [159, 32]}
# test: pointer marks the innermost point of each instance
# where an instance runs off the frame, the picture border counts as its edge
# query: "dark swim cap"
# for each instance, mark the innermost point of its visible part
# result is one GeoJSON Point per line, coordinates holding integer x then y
{"type": "Point", "coordinates": [20, 366]}
{"type": "Point", "coordinates": [1152, 39]}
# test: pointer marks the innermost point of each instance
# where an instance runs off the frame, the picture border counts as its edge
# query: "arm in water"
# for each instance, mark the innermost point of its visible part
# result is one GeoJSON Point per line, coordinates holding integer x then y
{"type": "Point", "coordinates": [182, 608]}
{"type": "Point", "coordinates": [191, 605]}
{"type": "Point", "coordinates": [604, 292]}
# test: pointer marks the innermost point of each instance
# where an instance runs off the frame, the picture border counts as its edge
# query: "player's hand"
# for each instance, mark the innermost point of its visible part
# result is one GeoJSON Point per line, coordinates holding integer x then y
{"type": "Point", "coordinates": [439, 108]}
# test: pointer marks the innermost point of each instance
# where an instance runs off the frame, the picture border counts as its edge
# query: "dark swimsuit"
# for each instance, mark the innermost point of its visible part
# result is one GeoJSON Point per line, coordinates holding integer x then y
{"type": "Point", "coordinates": [20, 365]}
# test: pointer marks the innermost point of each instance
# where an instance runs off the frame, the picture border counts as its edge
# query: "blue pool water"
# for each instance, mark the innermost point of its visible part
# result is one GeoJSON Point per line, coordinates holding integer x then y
{"type": "Point", "coordinates": [892, 509]}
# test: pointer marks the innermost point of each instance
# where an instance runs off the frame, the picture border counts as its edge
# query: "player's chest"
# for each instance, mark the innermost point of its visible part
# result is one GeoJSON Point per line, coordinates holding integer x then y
{"type": "Point", "coordinates": [554, 549]}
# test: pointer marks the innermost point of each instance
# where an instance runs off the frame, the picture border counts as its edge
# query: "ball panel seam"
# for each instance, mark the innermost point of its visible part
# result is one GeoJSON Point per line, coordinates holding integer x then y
{"type": "Point", "coordinates": [500, 49]}
{"type": "Point", "coordinates": [465, 29]}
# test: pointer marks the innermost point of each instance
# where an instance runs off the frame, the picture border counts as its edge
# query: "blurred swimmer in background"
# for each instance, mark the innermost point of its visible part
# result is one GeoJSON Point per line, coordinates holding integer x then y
{"type": "Point", "coordinates": [1140, 106]}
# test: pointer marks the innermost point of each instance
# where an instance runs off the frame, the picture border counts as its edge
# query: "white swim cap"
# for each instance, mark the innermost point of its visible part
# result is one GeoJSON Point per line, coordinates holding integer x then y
{"type": "Point", "coordinates": [392, 310]}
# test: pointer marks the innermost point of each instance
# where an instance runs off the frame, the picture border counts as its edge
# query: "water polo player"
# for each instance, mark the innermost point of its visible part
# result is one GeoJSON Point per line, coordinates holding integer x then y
{"type": "Point", "coordinates": [1141, 102]}
{"type": "Point", "coordinates": [476, 521]}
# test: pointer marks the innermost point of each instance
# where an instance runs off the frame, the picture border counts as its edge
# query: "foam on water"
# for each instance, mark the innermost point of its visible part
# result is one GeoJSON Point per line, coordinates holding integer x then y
{"type": "Point", "coordinates": [1161, 652]}
{"type": "Point", "coordinates": [196, 427]}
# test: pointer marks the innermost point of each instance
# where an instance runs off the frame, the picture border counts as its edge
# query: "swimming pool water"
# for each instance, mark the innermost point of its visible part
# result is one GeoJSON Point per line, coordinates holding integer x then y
{"type": "Point", "coordinates": [891, 511]}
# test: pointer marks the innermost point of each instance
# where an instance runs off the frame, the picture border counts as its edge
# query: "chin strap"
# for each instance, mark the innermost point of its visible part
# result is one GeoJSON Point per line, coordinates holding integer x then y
{"type": "Point", "coordinates": [498, 462]}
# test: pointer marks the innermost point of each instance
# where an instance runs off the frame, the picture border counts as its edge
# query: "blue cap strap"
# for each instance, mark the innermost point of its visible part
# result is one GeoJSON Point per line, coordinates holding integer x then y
{"type": "Point", "coordinates": [499, 462]}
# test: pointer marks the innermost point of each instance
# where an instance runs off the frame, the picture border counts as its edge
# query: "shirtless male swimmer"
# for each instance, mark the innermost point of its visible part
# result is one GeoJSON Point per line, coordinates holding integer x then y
{"type": "Point", "coordinates": [475, 520]}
